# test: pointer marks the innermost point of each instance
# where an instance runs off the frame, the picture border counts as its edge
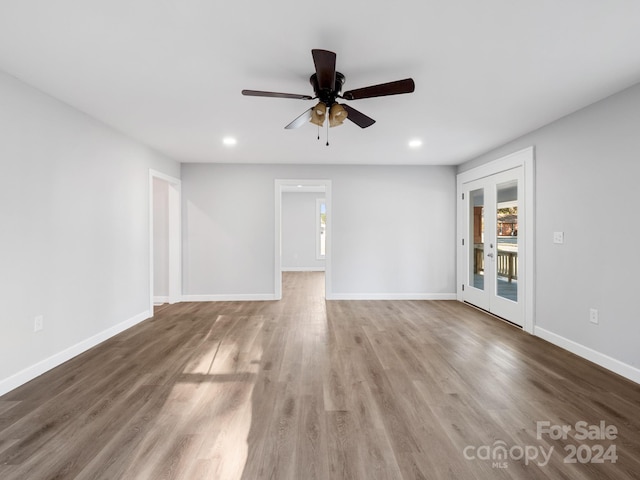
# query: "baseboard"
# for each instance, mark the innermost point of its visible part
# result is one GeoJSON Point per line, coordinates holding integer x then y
{"type": "Point", "coordinates": [160, 299]}
{"type": "Point", "coordinates": [392, 296]}
{"type": "Point", "coordinates": [302, 269]}
{"type": "Point", "coordinates": [29, 373]}
{"type": "Point", "coordinates": [605, 361]}
{"type": "Point", "coordinates": [254, 297]}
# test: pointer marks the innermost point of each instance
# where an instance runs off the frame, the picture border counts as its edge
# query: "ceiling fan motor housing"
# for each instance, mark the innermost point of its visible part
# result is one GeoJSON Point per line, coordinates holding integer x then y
{"type": "Point", "coordinates": [326, 96]}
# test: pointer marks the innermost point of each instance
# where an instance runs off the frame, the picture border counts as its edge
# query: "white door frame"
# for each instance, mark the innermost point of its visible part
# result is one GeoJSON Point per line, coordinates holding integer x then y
{"type": "Point", "coordinates": [524, 158]}
{"type": "Point", "coordinates": [280, 184]}
{"type": "Point", "coordinates": [174, 241]}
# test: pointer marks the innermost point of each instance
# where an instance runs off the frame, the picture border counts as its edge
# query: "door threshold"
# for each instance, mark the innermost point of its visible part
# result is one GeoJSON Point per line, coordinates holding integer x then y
{"type": "Point", "coordinates": [495, 316]}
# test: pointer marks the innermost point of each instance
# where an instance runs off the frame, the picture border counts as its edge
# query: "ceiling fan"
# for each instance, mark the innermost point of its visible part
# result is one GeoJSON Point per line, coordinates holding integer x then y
{"type": "Point", "coordinates": [327, 86]}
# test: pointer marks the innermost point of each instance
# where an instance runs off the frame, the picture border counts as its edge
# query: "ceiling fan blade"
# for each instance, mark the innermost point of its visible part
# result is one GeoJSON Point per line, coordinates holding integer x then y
{"type": "Point", "coordinates": [325, 62]}
{"type": "Point", "coordinates": [392, 88]}
{"type": "Point", "coordinates": [259, 93]}
{"type": "Point", "coordinates": [301, 120]}
{"type": "Point", "coordinates": [357, 117]}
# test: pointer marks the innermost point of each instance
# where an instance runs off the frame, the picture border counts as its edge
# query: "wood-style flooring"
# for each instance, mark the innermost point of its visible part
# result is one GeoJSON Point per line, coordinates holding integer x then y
{"type": "Point", "coordinates": [305, 389]}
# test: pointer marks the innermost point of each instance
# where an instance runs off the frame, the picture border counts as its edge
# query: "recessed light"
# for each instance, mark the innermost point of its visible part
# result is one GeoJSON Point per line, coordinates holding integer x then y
{"type": "Point", "coordinates": [229, 141]}
{"type": "Point", "coordinates": [415, 143]}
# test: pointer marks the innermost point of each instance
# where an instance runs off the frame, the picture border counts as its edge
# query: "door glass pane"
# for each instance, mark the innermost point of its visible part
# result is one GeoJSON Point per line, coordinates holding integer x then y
{"type": "Point", "coordinates": [476, 253]}
{"type": "Point", "coordinates": [507, 240]}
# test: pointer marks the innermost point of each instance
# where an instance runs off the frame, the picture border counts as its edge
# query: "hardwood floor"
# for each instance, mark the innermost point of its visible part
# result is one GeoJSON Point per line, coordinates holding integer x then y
{"type": "Point", "coordinates": [308, 389]}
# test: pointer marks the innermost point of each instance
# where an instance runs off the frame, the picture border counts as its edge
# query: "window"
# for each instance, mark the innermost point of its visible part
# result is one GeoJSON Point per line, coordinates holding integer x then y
{"type": "Point", "coordinates": [321, 228]}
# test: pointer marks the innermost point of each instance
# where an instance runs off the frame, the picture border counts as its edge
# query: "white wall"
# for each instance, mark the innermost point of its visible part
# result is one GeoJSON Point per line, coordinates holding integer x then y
{"type": "Point", "coordinates": [394, 232]}
{"type": "Point", "coordinates": [587, 171]}
{"type": "Point", "coordinates": [160, 240]}
{"type": "Point", "coordinates": [74, 231]}
{"type": "Point", "coordinates": [393, 229]}
{"type": "Point", "coordinates": [299, 232]}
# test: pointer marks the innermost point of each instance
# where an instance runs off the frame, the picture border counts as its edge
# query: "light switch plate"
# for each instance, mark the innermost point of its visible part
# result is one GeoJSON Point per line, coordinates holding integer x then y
{"type": "Point", "coordinates": [558, 237]}
{"type": "Point", "coordinates": [38, 323]}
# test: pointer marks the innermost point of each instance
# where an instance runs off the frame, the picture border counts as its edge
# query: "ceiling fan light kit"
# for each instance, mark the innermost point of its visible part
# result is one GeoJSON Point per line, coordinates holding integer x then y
{"type": "Point", "coordinates": [337, 115]}
{"type": "Point", "coordinates": [318, 114]}
{"type": "Point", "coordinates": [327, 86]}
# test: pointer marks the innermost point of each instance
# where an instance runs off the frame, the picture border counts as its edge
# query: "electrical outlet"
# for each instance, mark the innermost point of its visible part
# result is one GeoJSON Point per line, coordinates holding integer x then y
{"type": "Point", "coordinates": [593, 315]}
{"type": "Point", "coordinates": [558, 237]}
{"type": "Point", "coordinates": [38, 323]}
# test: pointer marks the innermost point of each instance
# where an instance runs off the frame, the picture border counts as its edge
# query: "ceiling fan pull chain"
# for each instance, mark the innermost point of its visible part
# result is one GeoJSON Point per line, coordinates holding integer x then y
{"type": "Point", "coordinates": [327, 133]}
{"type": "Point", "coordinates": [318, 132]}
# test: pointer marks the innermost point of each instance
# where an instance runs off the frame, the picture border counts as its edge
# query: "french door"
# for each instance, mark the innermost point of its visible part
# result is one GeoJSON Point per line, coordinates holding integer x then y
{"type": "Point", "coordinates": [493, 242]}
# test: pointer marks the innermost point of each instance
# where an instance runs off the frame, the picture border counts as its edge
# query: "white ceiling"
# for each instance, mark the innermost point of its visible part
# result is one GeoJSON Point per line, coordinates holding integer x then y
{"type": "Point", "coordinates": [169, 72]}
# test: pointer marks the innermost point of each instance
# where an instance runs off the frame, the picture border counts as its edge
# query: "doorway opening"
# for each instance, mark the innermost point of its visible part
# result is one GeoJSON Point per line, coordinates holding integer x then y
{"type": "Point", "coordinates": [322, 191]}
{"type": "Point", "coordinates": [165, 272]}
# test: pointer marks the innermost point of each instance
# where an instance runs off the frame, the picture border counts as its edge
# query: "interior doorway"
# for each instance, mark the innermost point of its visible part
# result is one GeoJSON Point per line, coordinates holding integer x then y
{"type": "Point", "coordinates": [295, 185]}
{"type": "Point", "coordinates": [165, 270]}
